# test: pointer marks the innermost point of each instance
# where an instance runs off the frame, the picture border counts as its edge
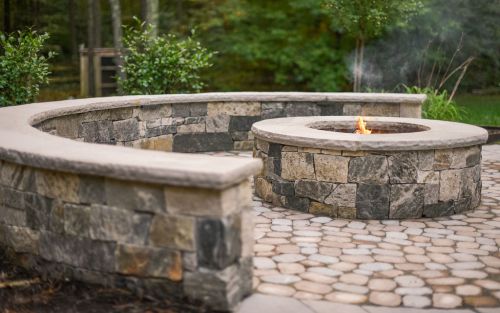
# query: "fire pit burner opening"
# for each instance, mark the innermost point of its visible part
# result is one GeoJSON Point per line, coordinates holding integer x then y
{"type": "Point", "coordinates": [376, 127]}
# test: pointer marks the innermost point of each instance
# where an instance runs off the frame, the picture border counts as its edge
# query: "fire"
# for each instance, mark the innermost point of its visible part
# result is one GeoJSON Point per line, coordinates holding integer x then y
{"type": "Point", "coordinates": [361, 127]}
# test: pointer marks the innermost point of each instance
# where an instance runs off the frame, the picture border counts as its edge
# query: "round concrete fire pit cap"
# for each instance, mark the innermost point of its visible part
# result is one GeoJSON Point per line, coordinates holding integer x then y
{"type": "Point", "coordinates": [427, 134]}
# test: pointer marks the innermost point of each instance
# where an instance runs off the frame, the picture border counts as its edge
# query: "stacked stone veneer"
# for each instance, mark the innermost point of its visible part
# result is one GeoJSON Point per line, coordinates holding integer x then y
{"type": "Point", "coordinates": [370, 184]}
{"type": "Point", "coordinates": [203, 126]}
{"type": "Point", "coordinates": [188, 244]}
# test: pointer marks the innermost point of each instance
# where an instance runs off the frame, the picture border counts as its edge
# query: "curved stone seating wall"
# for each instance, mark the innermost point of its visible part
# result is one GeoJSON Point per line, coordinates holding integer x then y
{"type": "Point", "coordinates": [211, 122]}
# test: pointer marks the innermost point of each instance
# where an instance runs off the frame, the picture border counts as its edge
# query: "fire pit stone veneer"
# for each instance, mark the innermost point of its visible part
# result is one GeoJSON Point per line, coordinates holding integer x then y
{"type": "Point", "coordinates": [419, 168]}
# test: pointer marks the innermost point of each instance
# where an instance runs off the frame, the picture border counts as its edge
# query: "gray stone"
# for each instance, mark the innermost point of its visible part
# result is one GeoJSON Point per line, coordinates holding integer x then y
{"type": "Point", "coordinates": [473, 157]}
{"type": "Point", "coordinates": [425, 160]}
{"type": "Point", "coordinates": [120, 114]}
{"type": "Point", "coordinates": [153, 112]}
{"type": "Point", "coordinates": [195, 120]}
{"type": "Point", "coordinates": [297, 203]}
{"type": "Point", "coordinates": [439, 209]}
{"type": "Point", "coordinates": [462, 205]}
{"type": "Point", "coordinates": [218, 242]}
{"type": "Point", "coordinates": [274, 150]}
{"type": "Point", "coordinates": [302, 109]}
{"type": "Point", "coordinates": [352, 109]}
{"type": "Point", "coordinates": [431, 193]}
{"type": "Point", "coordinates": [368, 169]}
{"type": "Point", "coordinates": [237, 135]}
{"type": "Point", "coordinates": [372, 201]}
{"type": "Point", "coordinates": [97, 132]}
{"type": "Point", "coordinates": [218, 123]}
{"type": "Point", "coordinates": [242, 123]}
{"type": "Point", "coordinates": [126, 130]}
{"type": "Point", "coordinates": [283, 187]}
{"type": "Point", "coordinates": [39, 212]}
{"type": "Point", "coordinates": [198, 109]}
{"type": "Point", "coordinates": [68, 126]}
{"type": "Point", "coordinates": [12, 198]}
{"type": "Point", "coordinates": [135, 196]}
{"type": "Point", "coordinates": [12, 216]}
{"type": "Point", "coordinates": [17, 177]}
{"type": "Point", "coordinates": [20, 239]}
{"type": "Point", "coordinates": [330, 108]}
{"type": "Point", "coordinates": [407, 201]}
{"type": "Point", "coordinates": [202, 142]}
{"type": "Point", "coordinates": [403, 168]}
{"type": "Point", "coordinates": [180, 110]}
{"type": "Point", "coordinates": [272, 110]}
{"type": "Point", "coordinates": [449, 188]}
{"type": "Point", "coordinates": [160, 131]}
{"type": "Point", "coordinates": [343, 196]}
{"type": "Point", "coordinates": [313, 189]}
{"type": "Point", "coordinates": [92, 190]}
{"type": "Point", "coordinates": [77, 219]}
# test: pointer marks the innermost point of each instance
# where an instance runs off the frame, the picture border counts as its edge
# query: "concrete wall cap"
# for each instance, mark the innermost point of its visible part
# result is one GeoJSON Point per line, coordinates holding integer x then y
{"type": "Point", "coordinates": [296, 131]}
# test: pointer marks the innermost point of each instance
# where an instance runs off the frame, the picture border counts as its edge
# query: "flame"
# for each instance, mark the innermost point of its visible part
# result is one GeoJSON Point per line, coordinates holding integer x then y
{"type": "Point", "coordinates": [361, 127]}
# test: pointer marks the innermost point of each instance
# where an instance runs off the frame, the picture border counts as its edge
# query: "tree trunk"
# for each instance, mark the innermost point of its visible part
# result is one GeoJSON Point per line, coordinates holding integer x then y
{"type": "Point", "coordinates": [72, 30]}
{"type": "Point", "coordinates": [6, 16]}
{"type": "Point", "coordinates": [97, 22]}
{"type": "Point", "coordinates": [360, 63]}
{"type": "Point", "coordinates": [116, 16]}
{"type": "Point", "coordinates": [355, 68]}
{"type": "Point", "coordinates": [149, 14]}
{"type": "Point", "coordinates": [91, 46]}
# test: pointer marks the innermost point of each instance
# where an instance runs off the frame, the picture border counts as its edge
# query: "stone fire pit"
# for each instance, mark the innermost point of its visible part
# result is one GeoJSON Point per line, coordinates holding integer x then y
{"type": "Point", "coordinates": [407, 168]}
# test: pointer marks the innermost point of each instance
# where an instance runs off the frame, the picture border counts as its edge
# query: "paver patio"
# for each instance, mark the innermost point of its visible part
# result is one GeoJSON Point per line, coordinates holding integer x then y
{"type": "Point", "coordinates": [446, 263]}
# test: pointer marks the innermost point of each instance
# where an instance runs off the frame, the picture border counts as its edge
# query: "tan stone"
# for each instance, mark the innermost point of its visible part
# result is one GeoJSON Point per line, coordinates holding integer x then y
{"type": "Point", "coordinates": [331, 168]}
{"type": "Point", "coordinates": [446, 301]}
{"type": "Point", "coordinates": [58, 185]}
{"type": "Point", "coordinates": [173, 231]}
{"type": "Point", "coordinates": [297, 165]}
{"type": "Point", "coordinates": [450, 185]}
{"type": "Point", "coordinates": [384, 298]}
{"type": "Point", "coordinates": [345, 297]}
{"type": "Point", "coordinates": [263, 189]}
{"type": "Point", "coordinates": [191, 128]}
{"type": "Point", "coordinates": [161, 143]}
{"type": "Point", "coordinates": [274, 289]}
{"type": "Point", "coordinates": [331, 152]}
{"type": "Point", "coordinates": [312, 287]}
{"type": "Point", "coordinates": [319, 208]}
{"type": "Point", "coordinates": [234, 108]}
{"type": "Point", "coordinates": [381, 284]}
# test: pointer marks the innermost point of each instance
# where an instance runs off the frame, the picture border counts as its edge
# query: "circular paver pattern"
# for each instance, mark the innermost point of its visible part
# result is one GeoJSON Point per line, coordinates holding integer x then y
{"type": "Point", "coordinates": [446, 262]}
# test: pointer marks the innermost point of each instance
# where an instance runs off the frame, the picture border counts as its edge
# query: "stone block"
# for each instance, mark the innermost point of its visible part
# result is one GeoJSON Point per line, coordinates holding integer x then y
{"type": "Point", "coordinates": [17, 177]}
{"type": "Point", "coordinates": [444, 208]}
{"type": "Point", "coordinates": [331, 152]}
{"type": "Point", "coordinates": [12, 216]}
{"type": "Point", "coordinates": [473, 156]}
{"type": "Point", "coordinates": [346, 212]}
{"type": "Point", "coordinates": [20, 239]}
{"type": "Point", "coordinates": [173, 231]}
{"type": "Point", "coordinates": [330, 108]}
{"type": "Point", "coordinates": [58, 185]}
{"type": "Point", "coordinates": [283, 187]}
{"type": "Point", "coordinates": [274, 150]}
{"type": "Point", "coordinates": [148, 262]}
{"type": "Point", "coordinates": [431, 193]}
{"type": "Point", "coordinates": [160, 131]}
{"type": "Point", "coordinates": [112, 224]}
{"type": "Point", "coordinates": [39, 213]}
{"type": "Point", "coordinates": [247, 232]}
{"type": "Point", "coordinates": [302, 109]}
{"type": "Point", "coordinates": [97, 132]}
{"type": "Point", "coordinates": [407, 201]}
{"type": "Point", "coordinates": [297, 165]}
{"type": "Point", "coordinates": [331, 168]}
{"type": "Point", "coordinates": [262, 145]}
{"type": "Point", "coordinates": [372, 201]}
{"type": "Point", "coordinates": [462, 205]}
{"type": "Point", "coordinates": [343, 195]}
{"type": "Point", "coordinates": [161, 143]}
{"type": "Point", "coordinates": [272, 110]}
{"type": "Point", "coordinates": [313, 189]}
{"type": "Point", "coordinates": [352, 109]}
{"type": "Point", "coordinates": [91, 190]}
{"type": "Point", "coordinates": [425, 160]}
{"type": "Point", "coordinates": [443, 159]}
{"type": "Point", "coordinates": [218, 123]}
{"type": "Point", "coordinates": [403, 168]}
{"type": "Point", "coordinates": [234, 108]}
{"type": "Point", "coordinates": [191, 128]}
{"type": "Point", "coordinates": [449, 187]}
{"type": "Point", "coordinates": [263, 189]}
{"type": "Point", "coordinates": [289, 149]}
{"type": "Point", "coordinates": [244, 145]}
{"type": "Point", "coordinates": [153, 112]}
{"type": "Point", "coordinates": [206, 202]}
{"type": "Point", "coordinates": [120, 114]}
{"type": "Point", "coordinates": [319, 208]}
{"type": "Point", "coordinates": [297, 203]}
{"type": "Point", "coordinates": [77, 220]}
{"type": "Point", "coordinates": [12, 198]}
{"type": "Point", "coordinates": [202, 142]}
{"type": "Point", "coordinates": [135, 196]}
{"type": "Point", "coordinates": [380, 109]}
{"type": "Point", "coordinates": [96, 115]}
{"type": "Point", "coordinates": [413, 110]}
{"type": "Point", "coordinates": [427, 177]}
{"type": "Point", "coordinates": [126, 130]}
{"type": "Point", "coordinates": [198, 109]}
{"type": "Point", "coordinates": [476, 196]}
{"type": "Point", "coordinates": [68, 126]}
{"type": "Point", "coordinates": [242, 123]}
{"type": "Point", "coordinates": [371, 169]}
{"type": "Point", "coordinates": [241, 135]}
{"type": "Point", "coordinates": [218, 241]}
{"type": "Point", "coordinates": [181, 109]}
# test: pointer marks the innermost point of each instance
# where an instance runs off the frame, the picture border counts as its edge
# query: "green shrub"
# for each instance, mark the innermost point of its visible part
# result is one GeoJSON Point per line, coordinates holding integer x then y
{"type": "Point", "coordinates": [437, 106]}
{"type": "Point", "coordinates": [163, 64]}
{"type": "Point", "coordinates": [23, 67]}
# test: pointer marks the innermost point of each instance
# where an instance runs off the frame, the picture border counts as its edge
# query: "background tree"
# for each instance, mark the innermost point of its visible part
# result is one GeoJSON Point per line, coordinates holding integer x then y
{"type": "Point", "coordinates": [149, 14]}
{"type": "Point", "coordinates": [116, 17]}
{"type": "Point", "coordinates": [366, 19]}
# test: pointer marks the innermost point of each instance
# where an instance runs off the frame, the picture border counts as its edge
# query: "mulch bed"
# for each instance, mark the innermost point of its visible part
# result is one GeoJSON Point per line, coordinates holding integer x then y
{"type": "Point", "coordinates": [21, 291]}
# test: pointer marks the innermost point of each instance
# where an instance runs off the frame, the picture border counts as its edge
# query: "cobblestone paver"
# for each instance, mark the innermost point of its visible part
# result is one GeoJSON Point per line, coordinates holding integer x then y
{"type": "Point", "coordinates": [446, 263]}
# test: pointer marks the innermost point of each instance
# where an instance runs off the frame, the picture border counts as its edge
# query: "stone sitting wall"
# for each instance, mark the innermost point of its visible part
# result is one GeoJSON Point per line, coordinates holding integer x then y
{"type": "Point", "coordinates": [204, 126]}
{"type": "Point", "coordinates": [370, 184]}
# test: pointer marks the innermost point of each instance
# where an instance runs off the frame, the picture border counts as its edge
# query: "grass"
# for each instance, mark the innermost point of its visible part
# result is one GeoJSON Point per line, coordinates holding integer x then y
{"type": "Point", "coordinates": [482, 110]}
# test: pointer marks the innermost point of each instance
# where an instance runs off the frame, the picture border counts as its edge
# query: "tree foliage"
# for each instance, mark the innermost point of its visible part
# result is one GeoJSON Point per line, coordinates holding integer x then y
{"type": "Point", "coordinates": [23, 66]}
{"type": "Point", "coordinates": [161, 64]}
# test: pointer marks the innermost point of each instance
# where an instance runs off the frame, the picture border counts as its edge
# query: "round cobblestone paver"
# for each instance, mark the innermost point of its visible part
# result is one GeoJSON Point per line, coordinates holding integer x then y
{"type": "Point", "coordinates": [447, 262]}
